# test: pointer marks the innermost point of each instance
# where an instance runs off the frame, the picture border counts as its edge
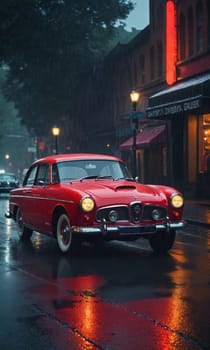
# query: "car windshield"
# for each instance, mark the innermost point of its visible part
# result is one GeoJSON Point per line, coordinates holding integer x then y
{"type": "Point", "coordinates": [97, 169]}
{"type": "Point", "coordinates": [7, 177]}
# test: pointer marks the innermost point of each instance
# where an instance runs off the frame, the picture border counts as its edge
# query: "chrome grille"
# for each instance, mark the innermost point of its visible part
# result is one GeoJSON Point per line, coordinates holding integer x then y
{"type": "Point", "coordinates": [136, 210]}
{"type": "Point", "coordinates": [122, 212]}
{"type": "Point", "coordinates": [147, 212]}
{"type": "Point", "coordinates": [135, 213]}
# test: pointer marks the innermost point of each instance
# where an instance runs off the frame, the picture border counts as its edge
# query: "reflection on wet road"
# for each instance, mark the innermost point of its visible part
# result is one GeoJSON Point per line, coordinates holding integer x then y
{"type": "Point", "coordinates": [118, 297]}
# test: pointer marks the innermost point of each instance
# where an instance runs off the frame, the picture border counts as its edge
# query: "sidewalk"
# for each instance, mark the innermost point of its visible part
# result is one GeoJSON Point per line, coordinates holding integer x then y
{"type": "Point", "coordinates": [197, 212]}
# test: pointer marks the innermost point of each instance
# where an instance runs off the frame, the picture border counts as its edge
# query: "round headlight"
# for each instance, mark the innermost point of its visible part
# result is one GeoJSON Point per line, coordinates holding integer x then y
{"type": "Point", "coordinates": [156, 214]}
{"type": "Point", "coordinates": [87, 204]}
{"type": "Point", "coordinates": [177, 201]}
{"type": "Point", "coordinates": [113, 215]}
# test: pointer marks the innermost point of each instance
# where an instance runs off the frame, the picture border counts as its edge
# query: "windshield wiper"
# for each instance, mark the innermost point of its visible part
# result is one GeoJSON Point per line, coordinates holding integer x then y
{"type": "Point", "coordinates": [88, 177]}
{"type": "Point", "coordinates": [124, 178]}
{"type": "Point", "coordinates": [105, 177]}
{"type": "Point", "coordinates": [96, 177]}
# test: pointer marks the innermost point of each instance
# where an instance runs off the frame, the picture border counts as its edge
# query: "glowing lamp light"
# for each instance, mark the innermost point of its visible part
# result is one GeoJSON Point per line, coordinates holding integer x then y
{"type": "Point", "coordinates": [134, 96]}
{"type": "Point", "coordinates": [171, 42]}
{"type": "Point", "coordinates": [55, 131]}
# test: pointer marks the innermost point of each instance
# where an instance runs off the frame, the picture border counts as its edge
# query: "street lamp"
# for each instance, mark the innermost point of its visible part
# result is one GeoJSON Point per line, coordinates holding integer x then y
{"type": "Point", "coordinates": [56, 133]}
{"type": "Point", "coordinates": [134, 97]}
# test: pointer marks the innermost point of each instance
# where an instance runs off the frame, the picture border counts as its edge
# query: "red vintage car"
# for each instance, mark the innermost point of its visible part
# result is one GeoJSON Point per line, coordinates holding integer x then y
{"type": "Point", "coordinates": [91, 197]}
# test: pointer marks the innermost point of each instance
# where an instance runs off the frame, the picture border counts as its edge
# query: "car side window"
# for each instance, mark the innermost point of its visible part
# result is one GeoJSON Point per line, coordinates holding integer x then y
{"type": "Point", "coordinates": [30, 177]}
{"type": "Point", "coordinates": [42, 178]}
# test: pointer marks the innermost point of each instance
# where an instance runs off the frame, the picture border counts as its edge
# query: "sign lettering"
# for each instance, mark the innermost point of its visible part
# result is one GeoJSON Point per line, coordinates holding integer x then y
{"type": "Point", "coordinates": [173, 109]}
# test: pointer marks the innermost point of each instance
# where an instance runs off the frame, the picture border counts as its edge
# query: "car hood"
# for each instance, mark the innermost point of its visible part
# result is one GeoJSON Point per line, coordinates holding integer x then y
{"type": "Point", "coordinates": [107, 192]}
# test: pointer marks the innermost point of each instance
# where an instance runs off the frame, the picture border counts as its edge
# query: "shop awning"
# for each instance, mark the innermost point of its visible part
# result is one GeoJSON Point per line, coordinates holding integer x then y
{"type": "Point", "coordinates": [188, 96]}
{"type": "Point", "coordinates": [145, 138]}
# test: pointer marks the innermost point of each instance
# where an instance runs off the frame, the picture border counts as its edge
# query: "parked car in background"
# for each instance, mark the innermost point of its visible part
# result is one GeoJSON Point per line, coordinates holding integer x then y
{"type": "Point", "coordinates": [8, 181]}
{"type": "Point", "coordinates": [91, 197]}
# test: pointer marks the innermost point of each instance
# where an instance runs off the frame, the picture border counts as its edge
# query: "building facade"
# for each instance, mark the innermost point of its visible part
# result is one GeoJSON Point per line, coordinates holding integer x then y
{"type": "Point", "coordinates": [168, 63]}
{"type": "Point", "coordinates": [186, 104]}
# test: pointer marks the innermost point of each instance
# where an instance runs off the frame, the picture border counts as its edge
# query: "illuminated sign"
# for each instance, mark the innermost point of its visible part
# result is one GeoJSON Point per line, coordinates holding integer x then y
{"type": "Point", "coordinates": [174, 108]}
{"type": "Point", "coordinates": [171, 42]}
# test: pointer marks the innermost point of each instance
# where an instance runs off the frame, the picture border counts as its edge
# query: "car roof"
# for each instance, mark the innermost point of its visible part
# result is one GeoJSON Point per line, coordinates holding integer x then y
{"type": "Point", "coordinates": [76, 156]}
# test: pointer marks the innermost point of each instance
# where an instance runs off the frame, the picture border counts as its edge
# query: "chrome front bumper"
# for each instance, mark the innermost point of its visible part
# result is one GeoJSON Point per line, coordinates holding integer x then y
{"type": "Point", "coordinates": [140, 230]}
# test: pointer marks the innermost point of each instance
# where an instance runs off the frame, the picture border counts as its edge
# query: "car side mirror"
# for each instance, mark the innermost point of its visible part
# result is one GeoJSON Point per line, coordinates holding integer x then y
{"type": "Point", "coordinates": [42, 183]}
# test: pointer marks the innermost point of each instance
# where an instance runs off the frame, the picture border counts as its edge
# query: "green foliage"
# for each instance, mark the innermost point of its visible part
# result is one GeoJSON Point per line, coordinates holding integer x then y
{"type": "Point", "coordinates": [8, 114]}
{"type": "Point", "coordinates": [50, 47]}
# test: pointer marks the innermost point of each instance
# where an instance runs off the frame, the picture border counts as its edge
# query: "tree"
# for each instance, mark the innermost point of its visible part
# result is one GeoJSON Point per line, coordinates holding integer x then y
{"type": "Point", "coordinates": [8, 114]}
{"type": "Point", "coordinates": [13, 135]}
{"type": "Point", "coordinates": [50, 46]}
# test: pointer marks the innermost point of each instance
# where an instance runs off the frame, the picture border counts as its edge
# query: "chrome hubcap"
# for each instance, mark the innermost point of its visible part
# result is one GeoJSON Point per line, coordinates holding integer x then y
{"type": "Point", "coordinates": [65, 233]}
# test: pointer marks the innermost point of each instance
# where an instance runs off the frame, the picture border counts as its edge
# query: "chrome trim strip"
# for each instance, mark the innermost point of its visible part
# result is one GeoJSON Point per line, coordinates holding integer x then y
{"type": "Point", "coordinates": [40, 198]}
{"type": "Point", "coordinates": [78, 229]}
{"type": "Point", "coordinates": [113, 206]}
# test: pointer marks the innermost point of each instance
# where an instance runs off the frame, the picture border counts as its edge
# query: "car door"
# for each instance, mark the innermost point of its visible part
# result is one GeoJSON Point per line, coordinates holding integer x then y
{"type": "Point", "coordinates": [34, 202]}
{"type": "Point", "coordinates": [26, 201]}
{"type": "Point", "coordinates": [41, 197]}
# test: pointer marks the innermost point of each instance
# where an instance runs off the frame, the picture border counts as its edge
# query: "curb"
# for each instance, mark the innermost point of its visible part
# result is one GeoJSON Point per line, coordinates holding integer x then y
{"type": "Point", "coordinates": [198, 223]}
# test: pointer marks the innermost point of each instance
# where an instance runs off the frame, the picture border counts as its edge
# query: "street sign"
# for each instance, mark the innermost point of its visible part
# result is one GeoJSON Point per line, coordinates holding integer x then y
{"type": "Point", "coordinates": [32, 149]}
{"type": "Point", "coordinates": [136, 115]}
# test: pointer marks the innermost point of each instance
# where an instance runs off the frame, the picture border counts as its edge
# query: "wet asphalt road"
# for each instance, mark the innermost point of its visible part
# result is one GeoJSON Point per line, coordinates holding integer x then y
{"type": "Point", "coordinates": [120, 298]}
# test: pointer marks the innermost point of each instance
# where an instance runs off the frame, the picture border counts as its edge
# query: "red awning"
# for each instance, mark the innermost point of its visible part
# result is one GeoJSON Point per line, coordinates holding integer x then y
{"type": "Point", "coordinates": [145, 138]}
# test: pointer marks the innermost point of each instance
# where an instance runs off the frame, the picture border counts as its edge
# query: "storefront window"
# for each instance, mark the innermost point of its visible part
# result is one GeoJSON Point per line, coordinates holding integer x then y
{"type": "Point", "coordinates": [206, 143]}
